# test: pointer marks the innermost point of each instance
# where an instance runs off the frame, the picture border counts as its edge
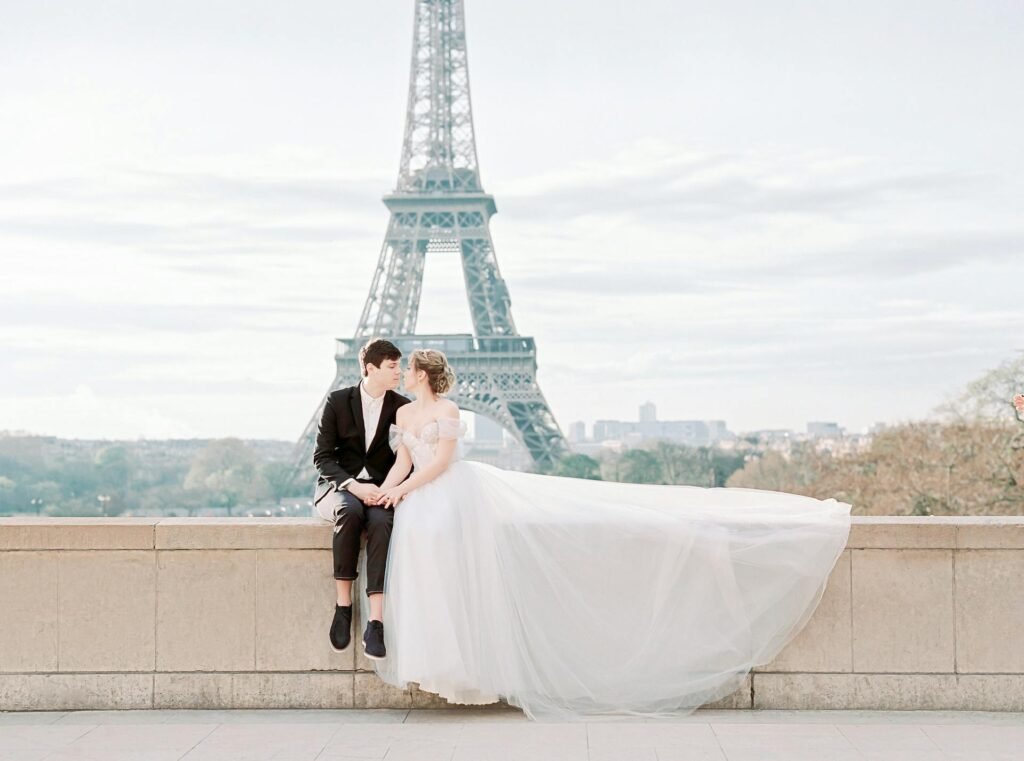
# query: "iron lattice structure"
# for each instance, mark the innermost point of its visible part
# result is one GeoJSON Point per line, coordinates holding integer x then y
{"type": "Point", "coordinates": [439, 207]}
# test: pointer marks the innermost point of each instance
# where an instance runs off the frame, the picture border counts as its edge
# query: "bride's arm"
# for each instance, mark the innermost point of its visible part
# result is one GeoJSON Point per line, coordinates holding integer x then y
{"type": "Point", "coordinates": [402, 465]}
{"type": "Point", "coordinates": [437, 466]}
{"type": "Point", "coordinates": [401, 468]}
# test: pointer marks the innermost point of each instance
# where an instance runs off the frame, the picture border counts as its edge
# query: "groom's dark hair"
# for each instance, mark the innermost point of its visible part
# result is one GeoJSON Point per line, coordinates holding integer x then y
{"type": "Point", "coordinates": [375, 351]}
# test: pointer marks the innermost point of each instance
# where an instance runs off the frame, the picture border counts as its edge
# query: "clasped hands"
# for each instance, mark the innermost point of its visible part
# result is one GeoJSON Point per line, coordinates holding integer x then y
{"type": "Point", "coordinates": [374, 495]}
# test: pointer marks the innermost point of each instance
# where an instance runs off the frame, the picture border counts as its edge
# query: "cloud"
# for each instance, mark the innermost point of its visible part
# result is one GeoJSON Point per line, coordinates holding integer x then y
{"type": "Point", "coordinates": [908, 255]}
{"type": "Point", "coordinates": [83, 412]}
{"type": "Point", "coordinates": [904, 255]}
{"type": "Point", "coordinates": [680, 187]}
{"type": "Point", "coordinates": [176, 238]}
{"type": "Point", "coordinates": [156, 318]}
{"type": "Point", "coordinates": [190, 213]}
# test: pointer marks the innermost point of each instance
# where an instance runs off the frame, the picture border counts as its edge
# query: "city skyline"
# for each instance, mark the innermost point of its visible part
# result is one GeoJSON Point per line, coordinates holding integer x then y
{"type": "Point", "coordinates": [588, 427]}
{"type": "Point", "coordinates": [762, 215]}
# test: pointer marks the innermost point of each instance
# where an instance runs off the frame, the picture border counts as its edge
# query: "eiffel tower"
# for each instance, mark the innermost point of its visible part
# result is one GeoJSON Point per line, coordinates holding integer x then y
{"type": "Point", "coordinates": [439, 208]}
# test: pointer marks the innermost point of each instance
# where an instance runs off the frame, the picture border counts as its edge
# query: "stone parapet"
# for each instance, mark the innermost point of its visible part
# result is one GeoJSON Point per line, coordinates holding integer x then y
{"type": "Point", "coordinates": [119, 613]}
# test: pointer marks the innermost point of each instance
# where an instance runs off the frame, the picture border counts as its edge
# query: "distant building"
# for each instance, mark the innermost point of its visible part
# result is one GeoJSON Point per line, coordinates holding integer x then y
{"type": "Point", "coordinates": [690, 432]}
{"type": "Point", "coordinates": [605, 430]}
{"type": "Point", "coordinates": [577, 431]}
{"type": "Point", "coordinates": [717, 430]}
{"type": "Point", "coordinates": [508, 453]}
{"type": "Point", "coordinates": [490, 444]}
{"type": "Point", "coordinates": [772, 434]}
{"type": "Point", "coordinates": [824, 430]}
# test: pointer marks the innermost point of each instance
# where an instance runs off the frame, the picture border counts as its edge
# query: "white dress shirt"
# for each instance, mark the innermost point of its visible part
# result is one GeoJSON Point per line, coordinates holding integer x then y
{"type": "Point", "coordinates": [371, 417]}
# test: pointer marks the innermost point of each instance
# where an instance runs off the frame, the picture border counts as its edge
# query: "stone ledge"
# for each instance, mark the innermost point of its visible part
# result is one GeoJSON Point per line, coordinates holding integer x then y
{"type": "Point", "coordinates": [889, 692]}
{"type": "Point", "coordinates": [242, 534]}
{"type": "Point", "coordinates": [761, 691]}
{"type": "Point", "coordinates": [226, 690]}
{"type": "Point", "coordinates": [74, 692]}
{"type": "Point", "coordinates": [37, 533]}
{"type": "Point", "coordinates": [77, 533]}
{"type": "Point", "coordinates": [939, 532]}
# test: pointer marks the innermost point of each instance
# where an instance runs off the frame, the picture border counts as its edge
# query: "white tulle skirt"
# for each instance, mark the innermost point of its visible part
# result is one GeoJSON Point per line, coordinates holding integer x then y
{"type": "Point", "coordinates": [572, 598]}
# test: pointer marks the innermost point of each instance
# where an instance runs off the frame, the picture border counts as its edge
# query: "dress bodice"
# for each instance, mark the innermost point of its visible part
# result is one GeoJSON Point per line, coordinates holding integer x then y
{"type": "Point", "coordinates": [423, 446]}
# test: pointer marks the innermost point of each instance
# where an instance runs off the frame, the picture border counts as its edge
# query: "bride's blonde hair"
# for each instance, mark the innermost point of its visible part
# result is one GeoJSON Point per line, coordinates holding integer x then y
{"type": "Point", "coordinates": [440, 375]}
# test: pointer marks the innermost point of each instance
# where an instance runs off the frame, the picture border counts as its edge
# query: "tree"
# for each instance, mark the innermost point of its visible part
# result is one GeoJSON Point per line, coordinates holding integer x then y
{"type": "Point", "coordinates": [969, 460]}
{"type": "Point", "coordinates": [695, 466]}
{"type": "Point", "coordinates": [115, 472]}
{"type": "Point", "coordinates": [115, 466]}
{"type": "Point", "coordinates": [278, 478]}
{"type": "Point", "coordinates": [81, 477]}
{"type": "Point", "coordinates": [665, 462]}
{"type": "Point", "coordinates": [639, 466]}
{"type": "Point", "coordinates": [169, 500]}
{"type": "Point", "coordinates": [49, 495]}
{"type": "Point", "coordinates": [8, 495]}
{"type": "Point", "coordinates": [775, 472]}
{"type": "Point", "coordinates": [578, 466]}
{"type": "Point", "coordinates": [723, 465]}
{"type": "Point", "coordinates": [932, 468]}
{"type": "Point", "coordinates": [990, 436]}
{"type": "Point", "coordinates": [990, 397]}
{"type": "Point", "coordinates": [226, 472]}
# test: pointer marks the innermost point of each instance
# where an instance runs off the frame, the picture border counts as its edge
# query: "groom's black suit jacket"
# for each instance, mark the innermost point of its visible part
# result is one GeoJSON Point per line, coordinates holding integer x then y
{"type": "Point", "coordinates": [340, 452]}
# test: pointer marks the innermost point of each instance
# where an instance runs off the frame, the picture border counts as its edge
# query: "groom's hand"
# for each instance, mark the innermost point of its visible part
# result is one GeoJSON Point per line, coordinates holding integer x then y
{"type": "Point", "coordinates": [368, 493]}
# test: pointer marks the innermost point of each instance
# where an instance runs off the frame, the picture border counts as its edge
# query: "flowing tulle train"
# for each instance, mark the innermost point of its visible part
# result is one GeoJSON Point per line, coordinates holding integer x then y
{"type": "Point", "coordinates": [572, 598]}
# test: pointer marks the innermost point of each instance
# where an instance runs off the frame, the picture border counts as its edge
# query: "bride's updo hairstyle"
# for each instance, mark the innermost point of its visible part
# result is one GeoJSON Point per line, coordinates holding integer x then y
{"type": "Point", "coordinates": [434, 363]}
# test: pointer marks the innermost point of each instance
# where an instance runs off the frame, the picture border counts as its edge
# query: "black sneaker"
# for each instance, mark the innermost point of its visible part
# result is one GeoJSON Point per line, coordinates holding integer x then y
{"type": "Point", "coordinates": [341, 627]}
{"type": "Point", "coordinates": [373, 640]}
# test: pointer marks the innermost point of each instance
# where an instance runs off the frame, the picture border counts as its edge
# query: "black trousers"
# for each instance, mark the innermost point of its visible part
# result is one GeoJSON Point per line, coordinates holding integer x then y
{"type": "Point", "coordinates": [351, 517]}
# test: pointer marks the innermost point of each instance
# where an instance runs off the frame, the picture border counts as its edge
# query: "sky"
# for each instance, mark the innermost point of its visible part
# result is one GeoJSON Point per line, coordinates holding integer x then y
{"type": "Point", "coordinates": [765, 213]}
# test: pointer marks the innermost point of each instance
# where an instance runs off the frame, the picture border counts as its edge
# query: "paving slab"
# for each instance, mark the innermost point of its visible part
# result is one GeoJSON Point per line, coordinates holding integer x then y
{"type": "Point", "coordinates": [505, 734]}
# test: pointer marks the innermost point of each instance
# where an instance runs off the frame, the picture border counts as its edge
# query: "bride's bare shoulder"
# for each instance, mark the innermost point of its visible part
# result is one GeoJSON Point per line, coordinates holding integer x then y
{"type": "Point", "coordinates": [447, 408]}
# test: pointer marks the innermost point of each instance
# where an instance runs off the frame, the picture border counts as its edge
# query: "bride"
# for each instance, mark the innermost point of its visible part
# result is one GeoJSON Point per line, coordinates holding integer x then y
{"type": "Point", "coordinates": [568, 597]}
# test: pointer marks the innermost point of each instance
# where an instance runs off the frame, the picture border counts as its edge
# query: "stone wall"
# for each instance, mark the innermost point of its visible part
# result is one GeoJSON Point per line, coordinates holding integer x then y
{"type": "Point", "coordinates": [97, 613]}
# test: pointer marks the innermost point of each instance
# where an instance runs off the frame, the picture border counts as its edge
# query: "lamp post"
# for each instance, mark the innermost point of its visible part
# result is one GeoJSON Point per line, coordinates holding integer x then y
{"type": "Point", "coordinates": [103, 499]}
{"type": "Point", "coordinates": [37, 503]}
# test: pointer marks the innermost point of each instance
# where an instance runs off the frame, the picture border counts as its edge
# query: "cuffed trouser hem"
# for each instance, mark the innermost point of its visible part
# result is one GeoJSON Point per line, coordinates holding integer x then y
{"type": "Point", "coordinates": [379, 592]}
{"type": "Point", "coordinates": [345, 578]}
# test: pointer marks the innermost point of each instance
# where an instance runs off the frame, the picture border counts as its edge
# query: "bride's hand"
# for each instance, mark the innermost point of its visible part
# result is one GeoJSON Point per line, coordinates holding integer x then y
{"type": "Point", "coordinates": [392, 497]}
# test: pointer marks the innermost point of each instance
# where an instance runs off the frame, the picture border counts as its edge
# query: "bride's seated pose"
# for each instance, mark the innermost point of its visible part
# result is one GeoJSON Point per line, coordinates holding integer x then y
{"type": "Point", "coordinates": [569, 597]}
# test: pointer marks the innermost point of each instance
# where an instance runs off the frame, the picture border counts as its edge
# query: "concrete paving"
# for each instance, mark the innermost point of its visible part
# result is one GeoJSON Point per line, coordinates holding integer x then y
{"type": "Point", "coordinates": [502, 733]}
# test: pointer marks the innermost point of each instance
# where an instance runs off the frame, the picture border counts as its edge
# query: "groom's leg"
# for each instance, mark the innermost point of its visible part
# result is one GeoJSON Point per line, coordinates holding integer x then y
{"type": "Point", "coordinates": [349, 520]}
{"type": "Point", "coordinates": [379, 523]}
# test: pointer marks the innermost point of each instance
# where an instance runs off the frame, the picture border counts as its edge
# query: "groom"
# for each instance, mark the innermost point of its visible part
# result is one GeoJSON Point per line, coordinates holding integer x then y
{"type": "Point", "coordinates": [353, 458]}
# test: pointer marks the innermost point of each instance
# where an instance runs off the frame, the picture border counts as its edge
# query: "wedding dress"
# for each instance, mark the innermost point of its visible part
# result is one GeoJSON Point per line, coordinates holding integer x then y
{"type": "Point", "coordinates": [572, 598]}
